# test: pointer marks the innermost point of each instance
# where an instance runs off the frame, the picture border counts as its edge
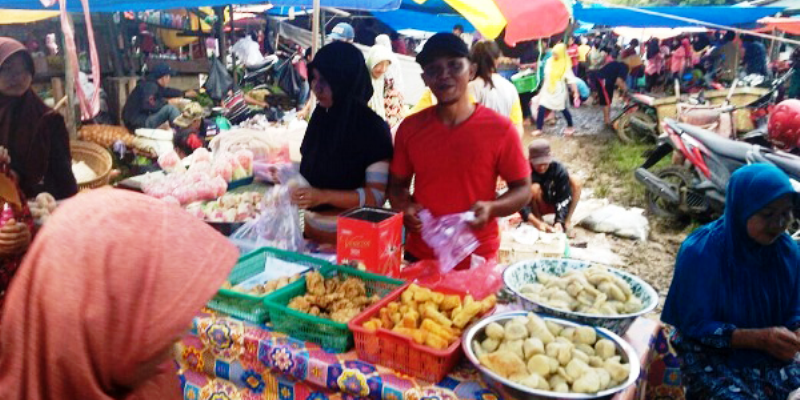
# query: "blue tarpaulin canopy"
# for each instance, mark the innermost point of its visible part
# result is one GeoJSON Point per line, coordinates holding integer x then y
{"type": "Point", "coordinates": [720, 15]}
{"type": "Point", "coordinates": [142, 5]}
{"type": "Point", "coordinates": [431, 16]}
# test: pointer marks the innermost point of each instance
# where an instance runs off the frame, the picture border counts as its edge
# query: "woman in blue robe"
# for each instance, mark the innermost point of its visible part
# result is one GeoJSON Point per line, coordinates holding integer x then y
{"type": "Point", "coordinates": [735, 297]}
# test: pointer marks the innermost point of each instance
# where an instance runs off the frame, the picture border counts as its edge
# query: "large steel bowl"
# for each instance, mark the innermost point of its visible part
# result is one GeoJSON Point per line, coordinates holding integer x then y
{"type": "Point", "coordinates": [523, 272]}
{"type": "Point", "coordinates": [508, 389]}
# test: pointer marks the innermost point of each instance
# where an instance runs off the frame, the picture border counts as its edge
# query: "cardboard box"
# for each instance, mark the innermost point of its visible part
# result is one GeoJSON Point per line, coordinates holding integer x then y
{"type": "Point", "coordinates": [373, 237]}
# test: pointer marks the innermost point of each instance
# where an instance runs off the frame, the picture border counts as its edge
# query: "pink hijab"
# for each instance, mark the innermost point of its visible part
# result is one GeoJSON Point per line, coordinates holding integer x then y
{"type": "Point", "coordinates": [110, 282]}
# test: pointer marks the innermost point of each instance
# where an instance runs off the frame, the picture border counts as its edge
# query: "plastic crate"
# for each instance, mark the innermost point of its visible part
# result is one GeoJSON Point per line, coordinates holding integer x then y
{"type": "Point", "coordinates": [400, 352]}
{"type": "Point", "coordinates": [526, 84]}
{"type": "Point", "coordinates": [251, 307]}
{"type": "Point", "coordinates": [333, 336]}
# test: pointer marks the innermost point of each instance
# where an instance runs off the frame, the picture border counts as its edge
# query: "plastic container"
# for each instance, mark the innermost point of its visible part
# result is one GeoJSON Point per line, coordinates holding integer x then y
{"type": "Point", "coordinates": [251, 307]}
{"type": "Point", "coordinates": [401, 352]}
{"type": "Point", "coordinates": [333, 336]}
{"type": "Point", "coordinates": [526, 84]}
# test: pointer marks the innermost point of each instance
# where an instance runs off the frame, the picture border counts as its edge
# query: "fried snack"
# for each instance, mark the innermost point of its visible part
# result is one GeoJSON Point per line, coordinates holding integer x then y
{"type": "Point", "coordinates": [315, 284]}
{"type": "Point", "coordinates": [469, 311]}
{"type": "Point", "coordinates": [300, 303]}
{"type": "Point", "coordinates": [372, 325]}
{"type": "Point", "coordinates": [436, 342]}
{"type": "Point", "coordinates": [488, 303]}
{"type": "Point", "coordinates": [386, 318]}
{"type": "Point", "coordinates": [352, 288]}
{"type": "Point", "coordinates": [411, 319]}
{"type": "Point", "coordinates": [430, 311]}
{"type": "Point", "coordinates": [335, 299]}
{"type": "Point", "coordinates": [450, 302]}
{"type": "Point", "coordinates": [432, 328]}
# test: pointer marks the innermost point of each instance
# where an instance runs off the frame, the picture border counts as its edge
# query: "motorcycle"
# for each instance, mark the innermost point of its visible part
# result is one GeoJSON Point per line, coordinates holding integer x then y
{"type": "Point", "coordinates": [696, 188]}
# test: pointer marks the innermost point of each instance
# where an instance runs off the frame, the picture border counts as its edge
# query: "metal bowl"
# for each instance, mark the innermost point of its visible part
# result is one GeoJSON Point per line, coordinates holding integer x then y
{"type": "Point", "coordinates": [508, 389]}
{"type": "Point", "coordinates": [525, 272]}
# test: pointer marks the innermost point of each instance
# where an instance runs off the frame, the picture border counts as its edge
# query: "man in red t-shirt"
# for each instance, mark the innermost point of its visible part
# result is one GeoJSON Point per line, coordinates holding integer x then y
{"type": "Point", "coordinates": [455, 151]}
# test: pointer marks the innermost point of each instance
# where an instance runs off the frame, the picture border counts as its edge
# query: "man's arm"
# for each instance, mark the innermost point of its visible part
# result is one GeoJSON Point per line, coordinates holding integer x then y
{"type": "Point", "coordinates": [401, 200]}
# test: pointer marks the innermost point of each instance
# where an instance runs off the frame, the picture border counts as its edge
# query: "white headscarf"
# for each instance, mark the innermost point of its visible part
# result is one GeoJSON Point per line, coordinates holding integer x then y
{"type": "Point", "coordinates": [394, 71]}
{"type": "Point", "coordinates": [377, 55]}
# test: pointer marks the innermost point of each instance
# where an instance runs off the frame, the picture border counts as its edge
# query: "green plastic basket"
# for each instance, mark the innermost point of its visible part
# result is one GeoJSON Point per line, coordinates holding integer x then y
{"type": "Point", "coordinates": [251, 307]}
{"type": "Point", "coordinates": [526, 84]}
{"type": "Point", "coordinates": [330, 335]}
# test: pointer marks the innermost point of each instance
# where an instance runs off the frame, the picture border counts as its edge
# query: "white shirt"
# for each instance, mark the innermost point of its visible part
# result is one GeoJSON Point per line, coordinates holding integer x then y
{"type": "Point", "coordinates": [556, 101]}
{"type": "Point", "coordinates": [499, 98]}
{"type": "Point", "coordinates": [247, 50]}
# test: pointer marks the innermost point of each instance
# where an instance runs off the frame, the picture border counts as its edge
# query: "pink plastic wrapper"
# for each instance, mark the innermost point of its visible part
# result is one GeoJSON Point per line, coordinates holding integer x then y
{"type": "Point", "coordinates": [201, 154]}
{"type": "Point", "coordinates": [450, 237]}
{"type": "Point", "coordinates": [483, 279]}
{"type": "Point", "coordinates": [7, 214]}
{"type": "Point", "coordinates": [245, 159]}
{"type": "Point", "coordinates": [169, 161]}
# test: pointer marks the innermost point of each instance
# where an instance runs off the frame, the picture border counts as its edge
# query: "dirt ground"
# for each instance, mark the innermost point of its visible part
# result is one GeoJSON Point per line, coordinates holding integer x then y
{"type": "Point", "coordinates": [652, 260]}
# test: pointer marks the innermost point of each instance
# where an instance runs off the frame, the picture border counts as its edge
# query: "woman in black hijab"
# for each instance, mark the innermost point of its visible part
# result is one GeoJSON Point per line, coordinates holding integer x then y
{"type": "Point", "coordinates": [347, 147]}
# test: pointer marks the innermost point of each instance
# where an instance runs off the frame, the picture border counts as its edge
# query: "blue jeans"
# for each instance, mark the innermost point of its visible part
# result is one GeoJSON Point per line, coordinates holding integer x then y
{"type": "Point", "coordinates": [167, 113]}
{"type": "Point", "coordinates": [543, 112]}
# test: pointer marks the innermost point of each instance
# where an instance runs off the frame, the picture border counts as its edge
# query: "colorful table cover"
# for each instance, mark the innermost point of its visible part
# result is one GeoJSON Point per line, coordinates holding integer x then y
{"type": "Point", "coordinates": [226, 359]}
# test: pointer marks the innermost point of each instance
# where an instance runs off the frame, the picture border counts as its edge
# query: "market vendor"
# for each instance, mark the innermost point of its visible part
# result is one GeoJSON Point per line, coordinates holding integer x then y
{"type": "Point", "coordinates": [346, 148]}
{"type": "Point", "coordinates": [734, 298]}
{"type": "Point", "coordinates": [455, 152]}
{"type": "Point", "coordinates": [150, 105]}
{"type": "Point", "coordinates": [106, 330]}
{"type": "Point", "coordinates": [35, 135]}
{"type": "Point", "coordinates": [553, 190]}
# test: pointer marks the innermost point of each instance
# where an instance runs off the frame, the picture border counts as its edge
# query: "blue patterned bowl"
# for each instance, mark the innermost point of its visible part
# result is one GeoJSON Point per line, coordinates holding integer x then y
{"type": "Point", "coordinates": [523, 272]}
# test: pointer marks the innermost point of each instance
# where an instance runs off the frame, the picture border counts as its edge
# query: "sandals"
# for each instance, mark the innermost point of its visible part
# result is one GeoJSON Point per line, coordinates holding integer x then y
{"type": "Point", "coordinates": [536, 132]}
{"type": "Point", "coordinates": [569, 131]}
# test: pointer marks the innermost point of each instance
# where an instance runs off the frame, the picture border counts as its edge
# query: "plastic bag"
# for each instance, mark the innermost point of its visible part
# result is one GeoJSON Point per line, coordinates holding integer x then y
{"type": "Point", "coordinates": [278, 226]}
{"type": "Point", "coordinates": [289, 80]}
{"type": "Point", "coordinates": [219, 81]}
{"type": "Point", "coordinates": [616, 220]}
{"type": "Point", "coordinates": [484, 277]}
{"type": "Point", "coordinates": [450, 237]}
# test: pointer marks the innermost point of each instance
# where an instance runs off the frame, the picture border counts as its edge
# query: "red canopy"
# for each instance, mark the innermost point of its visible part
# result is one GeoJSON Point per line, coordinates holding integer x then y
{"type": "Point", "coordinates": [788, 25]}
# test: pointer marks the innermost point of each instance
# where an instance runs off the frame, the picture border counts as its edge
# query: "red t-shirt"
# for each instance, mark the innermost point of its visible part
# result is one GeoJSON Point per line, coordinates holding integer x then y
{"type": "Point", "coordinates": [456, 167]}
{"type": "Point", "coordinates": [573, 53]}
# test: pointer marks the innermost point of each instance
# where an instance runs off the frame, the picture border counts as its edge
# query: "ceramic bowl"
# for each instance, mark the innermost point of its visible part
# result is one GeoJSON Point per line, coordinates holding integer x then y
{"type": "Point", "coordinates": [523, 272]}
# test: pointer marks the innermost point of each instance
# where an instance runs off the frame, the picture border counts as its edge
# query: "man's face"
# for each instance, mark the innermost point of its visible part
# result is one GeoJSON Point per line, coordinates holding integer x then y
{"type": "Point", "coordinates": [448, 78]}
{"type": "Point", "coordinates": [164, 80]}
{"type": "Point", "coordinates": [540, 169]}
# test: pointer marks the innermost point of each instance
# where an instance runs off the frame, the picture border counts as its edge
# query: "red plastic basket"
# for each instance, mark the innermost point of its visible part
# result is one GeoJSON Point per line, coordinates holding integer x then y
{"type": "Point", "coordinates": [400, 352]}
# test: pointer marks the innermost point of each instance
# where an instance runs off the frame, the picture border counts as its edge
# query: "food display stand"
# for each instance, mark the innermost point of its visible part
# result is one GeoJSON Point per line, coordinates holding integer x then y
{"type": "Point", "coordinates": [224, 358]}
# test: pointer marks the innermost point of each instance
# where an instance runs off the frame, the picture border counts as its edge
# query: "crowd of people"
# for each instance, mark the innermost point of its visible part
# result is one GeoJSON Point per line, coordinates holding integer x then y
{"type": "Point", "coordinates": [733, 301]}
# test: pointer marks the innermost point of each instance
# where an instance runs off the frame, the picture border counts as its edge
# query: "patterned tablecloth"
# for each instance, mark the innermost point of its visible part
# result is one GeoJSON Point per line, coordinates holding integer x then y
{"type": "Point", "coordinates": [227, 359]}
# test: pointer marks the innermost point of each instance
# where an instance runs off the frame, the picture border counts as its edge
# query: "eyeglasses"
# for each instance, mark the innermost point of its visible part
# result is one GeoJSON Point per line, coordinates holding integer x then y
{"type": "Point", "coordinates": [453, 67]}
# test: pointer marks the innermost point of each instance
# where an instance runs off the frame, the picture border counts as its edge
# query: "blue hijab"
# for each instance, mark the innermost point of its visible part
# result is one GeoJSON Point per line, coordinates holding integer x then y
{"type": "Point", "coordinates": [725, 279]}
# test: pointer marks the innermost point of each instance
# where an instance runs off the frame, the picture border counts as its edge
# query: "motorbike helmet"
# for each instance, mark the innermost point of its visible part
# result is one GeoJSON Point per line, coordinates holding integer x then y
{"type": "Point", "coordinates": [783, 128]}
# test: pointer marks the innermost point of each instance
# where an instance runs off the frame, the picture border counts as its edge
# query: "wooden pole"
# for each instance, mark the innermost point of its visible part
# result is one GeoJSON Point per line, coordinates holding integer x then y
{"type": "Point", "coordinates": [70, 115]}
{"type": "Point", "coordinates": [219, 28]}
{"type": "Point", "coordinates": [315, 45]}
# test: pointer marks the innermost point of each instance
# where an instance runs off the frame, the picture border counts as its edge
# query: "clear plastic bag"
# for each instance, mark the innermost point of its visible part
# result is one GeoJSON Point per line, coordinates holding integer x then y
{"type": "Point", "coordinates": [278, 226]}
{"type": "Point", "coordinates": [450, 237]}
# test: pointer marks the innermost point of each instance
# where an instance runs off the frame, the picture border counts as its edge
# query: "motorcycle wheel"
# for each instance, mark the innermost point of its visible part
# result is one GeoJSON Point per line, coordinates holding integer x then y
{"type": "Point", "coordinates": [678, 178]}
{"type": "Point", "coordinates": [629, 132]}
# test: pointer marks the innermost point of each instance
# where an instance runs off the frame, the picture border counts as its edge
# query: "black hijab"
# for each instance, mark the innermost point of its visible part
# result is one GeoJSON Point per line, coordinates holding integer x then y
{"type": "Point", "coordinates": [342, 141]}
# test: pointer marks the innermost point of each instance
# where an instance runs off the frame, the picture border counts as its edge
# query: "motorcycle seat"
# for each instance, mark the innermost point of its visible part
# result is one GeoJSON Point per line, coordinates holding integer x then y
{"type": "Point", "coordinates": [717, 144]}
{"type": "Point", "coordinates": [643, 98]}
{"type": "Point", "coordinates": [789, 163]}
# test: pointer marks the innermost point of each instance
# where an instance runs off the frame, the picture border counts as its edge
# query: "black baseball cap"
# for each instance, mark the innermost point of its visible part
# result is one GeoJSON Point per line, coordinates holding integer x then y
{"type": "Point", "coordinates": [160, 70]}
{"type": "Point", "coordinates": [442, 45]}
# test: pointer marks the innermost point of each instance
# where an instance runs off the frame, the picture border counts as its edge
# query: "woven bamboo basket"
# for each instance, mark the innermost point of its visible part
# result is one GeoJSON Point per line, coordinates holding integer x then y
{"type": "Point", "coordinates": [97, 158]}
